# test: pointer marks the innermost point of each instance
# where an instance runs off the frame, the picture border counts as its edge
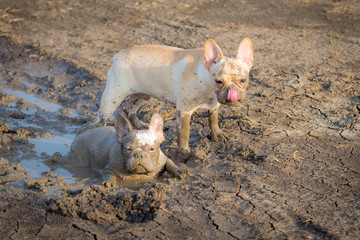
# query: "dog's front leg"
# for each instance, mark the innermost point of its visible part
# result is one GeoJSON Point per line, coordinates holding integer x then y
{"type": "Point", "coordinates": [171, 167]}
{"type": "Point", "coordinates": [216, 133]}
{"type": "Point", "coordinates": [183, 130]}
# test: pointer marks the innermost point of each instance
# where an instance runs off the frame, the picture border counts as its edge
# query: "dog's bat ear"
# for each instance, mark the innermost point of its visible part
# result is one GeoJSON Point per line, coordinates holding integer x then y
{"type": "Point", "coordinates": [212, 53]}
{"type": "Point", "coordinates": [122, 126]}
{"type": "Point", "coordinates": [245, 52]}
{"type": "Point", "coordinates": [156, 125]}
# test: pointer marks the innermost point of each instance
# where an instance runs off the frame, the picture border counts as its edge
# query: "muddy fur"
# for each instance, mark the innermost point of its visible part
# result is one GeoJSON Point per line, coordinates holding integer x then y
{"type": "Point", "coordinates": [288, 170]}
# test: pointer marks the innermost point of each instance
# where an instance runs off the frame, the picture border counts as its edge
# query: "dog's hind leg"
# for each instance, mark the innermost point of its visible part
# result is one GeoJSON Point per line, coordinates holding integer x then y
{"type": "Point", "coordinates": [108, 104]}
{"type": "Point", "coordinates": [115, 92]}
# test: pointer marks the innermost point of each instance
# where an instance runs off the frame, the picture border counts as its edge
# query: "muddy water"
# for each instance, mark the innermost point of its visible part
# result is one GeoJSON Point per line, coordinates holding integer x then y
{"type": "Point", "coordinates": [39, 123]}
{"type": "Point", "coordinates": [32, 99]}
{"type": "Point", "coordinates": [41, 146]}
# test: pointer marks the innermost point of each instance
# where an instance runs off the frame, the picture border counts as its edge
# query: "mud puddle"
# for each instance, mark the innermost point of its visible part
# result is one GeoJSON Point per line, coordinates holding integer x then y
{"type": "Point", "coordinates": [32, 99]}
{"type": "Point", "coordinates": [40, 121]}
{"type": "Point", "coordinates": [42, 146]}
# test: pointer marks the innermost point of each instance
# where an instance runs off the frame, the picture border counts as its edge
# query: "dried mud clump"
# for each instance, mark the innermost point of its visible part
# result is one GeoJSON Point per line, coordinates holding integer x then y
{"type": "Point", "coordinates": [98, 203]}
{"type": "Point", "coordinates": [10, 172]}
{"type": "Point", "coordinates": [48, 183]}
{"type": "Point", "coordinates": [233, 150]}
{"type": "Point", "coordinates": [15, 140]}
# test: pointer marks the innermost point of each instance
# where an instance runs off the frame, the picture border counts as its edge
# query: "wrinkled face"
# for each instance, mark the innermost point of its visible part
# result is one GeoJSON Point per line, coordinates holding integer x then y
{"type": "Point", "coordinates": [141, 149]}
{"type": "Point", "coordinates": [231, 78]}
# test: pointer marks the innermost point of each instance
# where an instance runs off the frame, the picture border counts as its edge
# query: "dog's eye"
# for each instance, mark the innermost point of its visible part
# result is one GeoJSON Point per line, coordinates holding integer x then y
{"type": "Point", "coordinates": [243, 80]}
{"type": "Point", "coordinates": [128, 149]}
{"type": "Point", "coordinates": [218, 82]}
{"type": "Point", "coordinates": [152, 149]}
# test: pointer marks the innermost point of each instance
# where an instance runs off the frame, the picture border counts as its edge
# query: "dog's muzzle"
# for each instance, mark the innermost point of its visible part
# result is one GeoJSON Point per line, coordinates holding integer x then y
{"type": "Point", "coordinates": [231, 96]}
{"type": "Point", "coordinates": [139, 169]}
{"type": "Point", "coordinates": [139, 163]}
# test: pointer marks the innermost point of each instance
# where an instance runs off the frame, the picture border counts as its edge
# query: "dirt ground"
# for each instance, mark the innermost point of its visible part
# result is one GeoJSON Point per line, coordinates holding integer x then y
{"type": "Point", "coordinates": [290, 170]}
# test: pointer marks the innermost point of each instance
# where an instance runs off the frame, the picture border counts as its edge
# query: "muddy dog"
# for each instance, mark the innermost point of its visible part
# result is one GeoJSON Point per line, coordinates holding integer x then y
{"type": "Point", "coordinates": [122, 152]}
{"type": "Point", "coordinates": [188, 78]}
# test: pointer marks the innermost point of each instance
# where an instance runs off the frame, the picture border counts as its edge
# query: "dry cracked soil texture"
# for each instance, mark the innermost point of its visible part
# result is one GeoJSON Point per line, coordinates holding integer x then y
{"type": "Point", "coordinates": [289, 170]}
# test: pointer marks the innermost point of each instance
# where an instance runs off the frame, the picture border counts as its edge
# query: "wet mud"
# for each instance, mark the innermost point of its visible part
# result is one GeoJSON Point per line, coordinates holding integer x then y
{"type": "Point", "coordinates": [290, 168]}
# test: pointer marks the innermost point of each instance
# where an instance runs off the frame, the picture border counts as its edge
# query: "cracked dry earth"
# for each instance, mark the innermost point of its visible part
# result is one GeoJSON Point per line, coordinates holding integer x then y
{"type": "Point", "coordinates": [290, 169]}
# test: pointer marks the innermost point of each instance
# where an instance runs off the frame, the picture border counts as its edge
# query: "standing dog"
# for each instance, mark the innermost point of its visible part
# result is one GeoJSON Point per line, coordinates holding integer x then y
{"type": "Point", "coordinates": [188, 78]}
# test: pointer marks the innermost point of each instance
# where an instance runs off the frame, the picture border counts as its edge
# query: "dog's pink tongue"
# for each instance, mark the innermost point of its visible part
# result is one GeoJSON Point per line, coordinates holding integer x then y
{"type": "Point", "coordinates": [233, 95]}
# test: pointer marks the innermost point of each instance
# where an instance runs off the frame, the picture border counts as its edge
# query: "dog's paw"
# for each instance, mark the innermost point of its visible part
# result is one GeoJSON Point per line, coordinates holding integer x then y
{"type": "Point", "coordinates": [180, 173]}
{"type": "Point", "coordinates": [54, 159]}
{"type": "Point", "coordinates": [184, 155]}
{"type": "Point", "coordinates": [219, 136]}
{"type": "Point", "coordinates": [109, 184]}
{"type": "Point", "coordinates": [183, 174]}
{"type": "Point", "coordinates": [110, 181]}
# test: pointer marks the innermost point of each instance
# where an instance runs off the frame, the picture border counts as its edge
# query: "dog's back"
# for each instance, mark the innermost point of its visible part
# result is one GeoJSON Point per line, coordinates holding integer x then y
{"type": "Point", "coordinates": [158, 71]}
{"type": "Point", "coordinates": [91, 148]}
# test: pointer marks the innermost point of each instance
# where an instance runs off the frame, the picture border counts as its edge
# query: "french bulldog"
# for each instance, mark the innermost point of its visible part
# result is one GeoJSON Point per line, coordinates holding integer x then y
{"type": "Point", "coordinates": [122, 152]}
{"type": "Point", "coordinates": [189, 78]}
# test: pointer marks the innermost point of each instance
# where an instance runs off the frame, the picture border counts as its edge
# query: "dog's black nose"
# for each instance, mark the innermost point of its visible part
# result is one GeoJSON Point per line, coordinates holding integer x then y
{"type": "Point", "coordinates": [139, 155]}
